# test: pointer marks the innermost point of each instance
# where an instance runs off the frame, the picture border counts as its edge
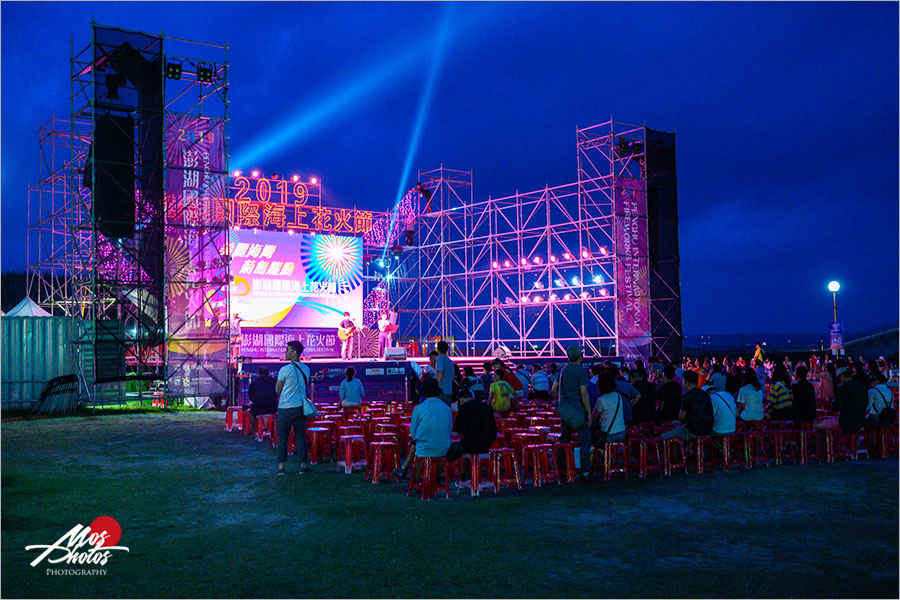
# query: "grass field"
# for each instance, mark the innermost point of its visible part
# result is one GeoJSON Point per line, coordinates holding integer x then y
{"type": "Point", "coordinates": [204, 516]}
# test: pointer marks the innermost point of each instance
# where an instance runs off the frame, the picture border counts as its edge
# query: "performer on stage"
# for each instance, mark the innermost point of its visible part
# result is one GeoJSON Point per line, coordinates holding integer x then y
{"type": "Point", "coordinates": [346, 330]}
{"type": "Point", "coordinates": [384, 338]}
{"type": "Point", "coordinates": [236, 339]}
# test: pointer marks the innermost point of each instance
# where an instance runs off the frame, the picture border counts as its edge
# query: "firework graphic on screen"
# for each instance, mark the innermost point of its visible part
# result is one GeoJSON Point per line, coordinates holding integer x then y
{"type": "Point", "coordinates": [333, 258]}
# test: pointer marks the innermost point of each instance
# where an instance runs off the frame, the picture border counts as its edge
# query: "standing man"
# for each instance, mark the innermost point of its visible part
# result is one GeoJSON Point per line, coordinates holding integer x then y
{"type": "Point", "coordinates": [236, 339]}
{"type": "Point", "coordinates": [384, 338]}
{"type": "Point", "coordinates": [293, 379]}
{"type": "Point", "coordinates": [348, 329]}
{"type": "Point", "coordinates": [572, 389]}
{"type": "Point", "coordinates": [444, 369]}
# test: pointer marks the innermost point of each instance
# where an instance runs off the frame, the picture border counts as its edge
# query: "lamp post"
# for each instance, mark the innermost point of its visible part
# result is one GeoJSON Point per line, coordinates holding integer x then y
{"type": "Point", "coordinates": [834, 287]}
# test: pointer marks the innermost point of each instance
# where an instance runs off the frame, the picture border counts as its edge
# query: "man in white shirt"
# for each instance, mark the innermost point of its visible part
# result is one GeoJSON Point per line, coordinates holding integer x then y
{"type": "Point", "coordinates": [724, 412]}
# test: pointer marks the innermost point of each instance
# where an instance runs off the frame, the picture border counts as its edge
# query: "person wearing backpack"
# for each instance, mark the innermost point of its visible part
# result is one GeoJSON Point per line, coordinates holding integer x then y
{"type": "Point", "coordinates": [881, 409]}
{"type": "Point", "coordinates": [292, 396]}
{"type": "Point", "coordinates": [501, 393]}
{"type": "Point", "coordinates": [574, 407]}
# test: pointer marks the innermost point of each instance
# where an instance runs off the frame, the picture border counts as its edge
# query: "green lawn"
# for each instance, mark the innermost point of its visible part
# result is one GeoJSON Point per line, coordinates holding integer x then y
{"type": "Point", "coordinates": [204, 516]}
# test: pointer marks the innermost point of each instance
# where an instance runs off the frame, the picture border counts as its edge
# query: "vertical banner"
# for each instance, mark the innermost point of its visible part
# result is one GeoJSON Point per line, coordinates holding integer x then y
{"type": "Point", "coordinates": [196, 264]}
{"type": "Point", "coordinates": [632, 269]}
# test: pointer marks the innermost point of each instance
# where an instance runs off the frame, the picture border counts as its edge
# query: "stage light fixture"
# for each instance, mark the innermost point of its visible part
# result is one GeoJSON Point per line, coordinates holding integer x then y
{"type": "Point", "coordinates": [567, 297]}
{"type": "Point", "coordinates": [585, 294]}
{"type": "Point", "coordinates": [204, 74]}
{"type": "Point", "coordinates": [507, 264]}
{"type": "Point", "coordinates": [537, 260]}
{"type": "Point", "coordinates": [604, 292]}
{"type": "Point", "coordinates": [575, 281]}
{"type": "Point", "coordinates": [566, 256]}
{"type": "Point", "coordinates": [553, 297]}
{"type": "Point", "coordinates": [537, 299]}
{"type": "Point", "coordinates": [539, 285]}
{"type": "Point", "coordinates": [173, 70]}
{"type": "Point", "coordinates": [560, 283]}
{"type": "Point", "coordinates": [524, 261]}
{"type": "Point", "coordinates": [236, 173]}
{"type": "Point", "coordinates": [313, 180]}
{"type": "Point", "coordinates": [524, 298]}
{"type": "Point", "coordinates": [295, 178]}
{"type": "Point", "coordinates": [598, 278]}
{"type": "Point", "coordinates": [380, 264]}
{"type": "Point", "coordinates": [585, 254]}
{"type": "Point", "coordinates": [604, 250]}
{"type": "Point", "coordinates": [495, 264]}
{"type": "Point", "coordinates": [553, 258]}
{"type": "Point", "coordinates": [254, 173]}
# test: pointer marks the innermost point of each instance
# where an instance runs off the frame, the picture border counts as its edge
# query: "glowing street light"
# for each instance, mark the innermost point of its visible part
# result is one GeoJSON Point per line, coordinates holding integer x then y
{"type": "Point", "coordinates": [834, 287]}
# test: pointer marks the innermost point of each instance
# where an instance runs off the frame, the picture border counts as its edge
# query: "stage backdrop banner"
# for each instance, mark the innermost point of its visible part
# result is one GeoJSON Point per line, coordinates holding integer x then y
{"type": "Point", "coordinates": [196, 264]}
{"type": "Point", "coordinates": [632, 269]}
{"type": "Point", "coordinates": [266, 343]}
{"type": "Point", "coordinates": [298, 281]}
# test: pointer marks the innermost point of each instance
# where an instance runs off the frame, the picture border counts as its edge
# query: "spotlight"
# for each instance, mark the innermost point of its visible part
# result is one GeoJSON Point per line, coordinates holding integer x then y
{"type": "Point", "coordinates": [575, 281]}
{"type": "Point", "coordinates": [537, 299]}
{"type": "Point", "coordinates": [290, 232]}
{"type": "Point", "coordinates": [598, 278]}
{"type": "Point", "coordinates": [566, 256]}
{"type": "Point", "coordinates": [295, 178]}
{"type": "Point", "coordinates": [313, 180]}
{"type": "Point", "coordinates": [559, 283]}
{"type": "Point", "coordinates": [236, 173]}
{"type": "Point", "coordinates": [495, 264]}
{"type": "Point", "coordinates": [204, 74]}
{"type": "Point", "coordinates": [537, 260]}
{"type": "Point", "coordinates": [254, 173]}
{"type": "Point", "coordinates": [524, 261]}
{"type": "Point", "coordinates": [585, 294]}
{"type": "Point", "coordinates": [567, 297]}
{"type": "Point", "coordinates": [524, 298]}
{"type": "Point", "coordinates": [604, 292]}
{"type": "Point", "coordinates": [585, 254]}
{"type": "Point", "coordinates": [539, 285]}
{"type": "Point", "coordinates": [553, 258]}
{"type": "Point", "coordinates": [553, 297]}
{"type": "Point", "coordinates": [380, 263]}
{"type": "Point", "coordinates": [604, 250]}
{"type": "Point", "coordinates": [173, 70]}
{"type": "Point", "coordinates": [507, 264]}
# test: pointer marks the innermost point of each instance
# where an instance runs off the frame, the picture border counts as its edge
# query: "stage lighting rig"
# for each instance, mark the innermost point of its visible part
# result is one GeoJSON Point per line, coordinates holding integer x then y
{"type": "Point", "coordinates": [173, 70]}
{"type": "Point", "coordinates": [204, 74]}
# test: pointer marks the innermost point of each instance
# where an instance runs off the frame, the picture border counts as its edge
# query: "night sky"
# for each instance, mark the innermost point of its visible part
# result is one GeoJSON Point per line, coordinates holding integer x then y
{"type": "Point", "coordinates": [786, 118]}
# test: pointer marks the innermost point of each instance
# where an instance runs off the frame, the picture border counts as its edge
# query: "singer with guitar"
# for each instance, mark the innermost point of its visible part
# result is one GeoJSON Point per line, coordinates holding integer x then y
{"type": "Point", "coordinates": [346, 329]}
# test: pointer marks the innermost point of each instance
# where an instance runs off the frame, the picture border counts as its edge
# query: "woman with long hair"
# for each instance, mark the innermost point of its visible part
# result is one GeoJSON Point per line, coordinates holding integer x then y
{"type": "Point", "coordinates": [750, 396]}
{"type": "Point", "coordinates": [825, 392]}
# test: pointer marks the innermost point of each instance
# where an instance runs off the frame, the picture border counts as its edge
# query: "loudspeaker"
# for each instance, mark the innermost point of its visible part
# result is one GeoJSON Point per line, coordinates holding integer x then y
{"type": "Point", "coordinates": [395, 353]}
{"type": "Point", "coordinates": [112, 154]}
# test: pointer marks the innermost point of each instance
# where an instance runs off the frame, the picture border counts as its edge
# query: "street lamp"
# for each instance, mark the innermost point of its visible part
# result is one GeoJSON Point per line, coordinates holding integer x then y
{"type": "Point", "coordinates": [833, 287]}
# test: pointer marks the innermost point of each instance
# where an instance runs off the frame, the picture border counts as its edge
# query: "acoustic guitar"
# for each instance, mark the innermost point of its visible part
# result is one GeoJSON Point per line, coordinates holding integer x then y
{"type": "Point", "coordinates": [344, 333]}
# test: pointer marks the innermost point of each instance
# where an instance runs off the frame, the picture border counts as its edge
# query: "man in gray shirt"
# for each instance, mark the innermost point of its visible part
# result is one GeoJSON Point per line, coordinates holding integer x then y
{"type": "Point", "coordinates": [571, 387]}
{"type": "Point", "coordinates": [444, 370]}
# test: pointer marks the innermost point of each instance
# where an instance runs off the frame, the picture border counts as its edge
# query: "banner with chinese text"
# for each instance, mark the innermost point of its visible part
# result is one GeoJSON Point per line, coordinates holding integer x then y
{"type": "Point", "coordinates": [632, 269]}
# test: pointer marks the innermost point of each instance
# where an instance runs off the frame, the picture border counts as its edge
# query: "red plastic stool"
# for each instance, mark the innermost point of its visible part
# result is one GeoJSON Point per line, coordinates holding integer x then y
{"type": "Point", "coordinates": [730, 452]}
{"type": "Point", "coordinates": [697, 447]}
{"type": "Point", "coordinates": [754, 449]}
{"type": "Point", "coordinates": [506, 468]}
{"type": "Point", "coordinates": [249, 426]}
{"type": "Point", "coordinates": [476, 483]}
{"type": "Point", "coordinates": [265, 427]}
{"type": "Point", "coordinates": [520, 441]}
{"type": "Point", "coordinates": [852, 446]}
{"type": "Point", "coordinates": [808, 451]}
{"type": "Point", "coordinates": [230, 421]}
{"type": "Point", "coordinates": [428, 485]}
{"type": "Point", "coordinates": [383, 459]}
{"type": "Point", "coordinates": [349, 430]}
{"type": "Point", "coordinates": [568, 458]}
{"type": "Point", "coordinates": [385, 437]}
{"type": "Point", "coordinates": [611, 452]}
{"type": "Point", "coordinates": [353, 453]}
{"type": "Point", "coordinates": [542, 431]}
{"type": "Point", "coordinates": [648, 448]}
{"type": "Point", "coordinates": [320, 444]}
{"type": "Point", "coordinates": [674, 455]}
{"type": "Point", "coordinates": [543, 469]}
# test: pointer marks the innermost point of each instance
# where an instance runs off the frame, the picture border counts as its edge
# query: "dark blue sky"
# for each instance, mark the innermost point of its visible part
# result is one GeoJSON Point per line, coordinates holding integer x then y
{"type": "Point", "coordinates": [786, 115]}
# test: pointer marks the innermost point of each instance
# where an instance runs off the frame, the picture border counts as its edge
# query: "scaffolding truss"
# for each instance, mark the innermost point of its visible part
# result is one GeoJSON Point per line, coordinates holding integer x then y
{"type": "Point", "coordinates": [106, 268]}
{"type": "Point", "coordinates": [536, 272]}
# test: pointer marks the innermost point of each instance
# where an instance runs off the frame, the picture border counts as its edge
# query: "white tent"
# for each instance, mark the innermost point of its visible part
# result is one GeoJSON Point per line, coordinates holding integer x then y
{"type": "Point", "coordinates": [27, 308]}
